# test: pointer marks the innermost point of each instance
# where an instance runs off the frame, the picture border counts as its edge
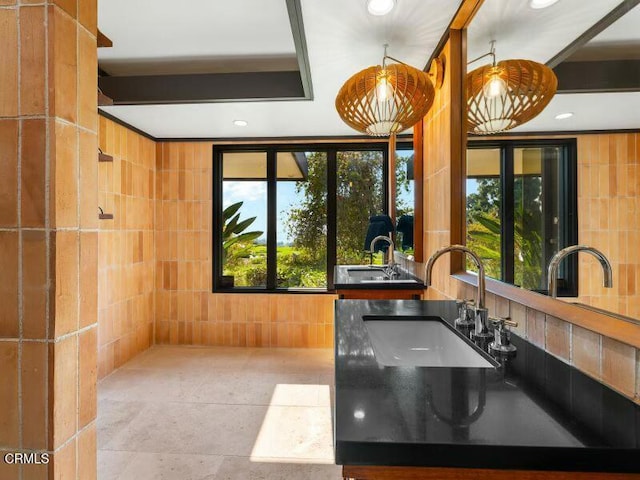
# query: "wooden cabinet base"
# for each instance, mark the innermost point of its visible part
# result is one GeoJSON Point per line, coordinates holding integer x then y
{"type": "Point", "coordinates": [426, 473]}
{"type": "Point", "coordinates": [355, 294]}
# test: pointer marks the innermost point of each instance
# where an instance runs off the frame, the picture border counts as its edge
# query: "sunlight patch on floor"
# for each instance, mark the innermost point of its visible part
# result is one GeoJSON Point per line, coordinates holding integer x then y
{"type": "Point", "coordinates": [291, 433]}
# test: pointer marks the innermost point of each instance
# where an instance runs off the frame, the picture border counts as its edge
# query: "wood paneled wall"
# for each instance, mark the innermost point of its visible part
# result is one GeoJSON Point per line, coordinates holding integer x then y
{"type": "Point", "coordinates": [186, 310]}
{"type": "Point", "coordinates": [126, 246]}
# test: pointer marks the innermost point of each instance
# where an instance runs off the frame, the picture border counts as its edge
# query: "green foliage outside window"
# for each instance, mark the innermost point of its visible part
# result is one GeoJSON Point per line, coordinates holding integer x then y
{"type": "Point", "coordinates": [303, 263]}
{"type": "Point", "coordinates": [484, 229]}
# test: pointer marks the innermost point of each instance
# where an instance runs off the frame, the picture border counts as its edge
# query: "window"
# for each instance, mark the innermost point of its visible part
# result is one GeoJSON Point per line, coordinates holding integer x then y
{"type": "Point", "coordinates": [285, 215]}
{"type": "Point", "coordinates": [522, 209]}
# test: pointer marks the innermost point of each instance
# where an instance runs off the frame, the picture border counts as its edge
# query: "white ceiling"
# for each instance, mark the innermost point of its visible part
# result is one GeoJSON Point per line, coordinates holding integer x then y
{"type": "Point", "coordinates": [618, 42]}
{"type": "Point", "coordinates": [591, 111]}
{"type": "Point", "coordinates": [534, 34]}
{"type": "Point", "coordinates": [523, 32]}
{"type": "Point", "coordinates": [212, 35]}
{"type": "Point", "coordinates": [153, 36]}
{"type": "Point", "coordinates": [342, 38]}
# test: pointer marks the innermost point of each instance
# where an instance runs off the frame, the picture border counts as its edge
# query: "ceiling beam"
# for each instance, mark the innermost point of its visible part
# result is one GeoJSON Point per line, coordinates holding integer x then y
{"type": "Point", "coordinates": [294, 9]}
{"type": "Point", "coordinates": [201, 88]}
{"type": "Point", "coordinates": [598, 76]}
{"type": "Point", "coordinates": [602, 24]}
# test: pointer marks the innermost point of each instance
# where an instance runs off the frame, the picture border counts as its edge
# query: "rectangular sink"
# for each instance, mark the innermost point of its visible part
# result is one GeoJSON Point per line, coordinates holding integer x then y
{"type": "Point", "coordinates": [388, 280]}
{"type": "Point", "coordinates": [364, 274]}
{"type": "Point", "coordinates": [421, 342]}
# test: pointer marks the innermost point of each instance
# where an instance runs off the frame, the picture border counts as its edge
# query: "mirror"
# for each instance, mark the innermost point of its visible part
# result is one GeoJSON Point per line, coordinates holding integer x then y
{"type": "Point", "coordinates": [571, 174]}
{"type": "Point", "coordinates": [404, 198]}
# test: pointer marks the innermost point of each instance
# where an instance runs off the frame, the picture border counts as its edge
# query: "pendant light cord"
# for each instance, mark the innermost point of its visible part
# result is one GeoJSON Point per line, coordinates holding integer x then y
{"type": "Point", "coordinates": [385, 57]}
{"type": "Point", "coordinates": [491, 53]}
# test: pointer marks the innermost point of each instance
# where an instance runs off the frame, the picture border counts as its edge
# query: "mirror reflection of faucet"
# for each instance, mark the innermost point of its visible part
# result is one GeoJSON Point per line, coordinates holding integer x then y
{"type": "Point", "coordinates": [554, 265]}
{"type": "Point", "coordinates": [460, 416]}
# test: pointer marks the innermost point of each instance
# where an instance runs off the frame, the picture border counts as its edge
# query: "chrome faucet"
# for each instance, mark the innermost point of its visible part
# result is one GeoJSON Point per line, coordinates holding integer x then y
{"type": "Point", "coordinates": [481, 335]}
{"type": "Point", "coordinates": [459, 248]}
{"type": "Point", "coordinates": [391, 264]}
{"type": "Point", "coordinates": [554, 264]}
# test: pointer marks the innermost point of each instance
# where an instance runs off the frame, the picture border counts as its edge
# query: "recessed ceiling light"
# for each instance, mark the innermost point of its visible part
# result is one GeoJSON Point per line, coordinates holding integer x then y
{"type": "Point", "coordinates": [240, 123]}
{"type": "Point", "coordinates": [380, 7]}
{"type": "Point", "coordinates": [562, 116]}
{"type": "Point", "coordinates": [537, 4]}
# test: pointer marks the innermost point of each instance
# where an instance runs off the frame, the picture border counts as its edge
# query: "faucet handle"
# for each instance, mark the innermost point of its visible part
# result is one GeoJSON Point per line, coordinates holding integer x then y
{"type": "Point", "coordinates": [466, 302]}
{"type": "Point", "coordinates": [501, 347]}
{"type": "Point", "coordinates": [500, 322]}
{"type": "Point", "coordinates": [465, 322]}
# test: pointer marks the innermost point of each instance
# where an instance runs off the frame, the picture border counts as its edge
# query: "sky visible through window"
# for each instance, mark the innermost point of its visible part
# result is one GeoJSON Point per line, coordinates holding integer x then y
{"type": "Point", "coordinates": [254, 196]}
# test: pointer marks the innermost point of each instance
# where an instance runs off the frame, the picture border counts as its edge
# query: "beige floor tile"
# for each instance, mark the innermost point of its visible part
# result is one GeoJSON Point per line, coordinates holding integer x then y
{"type": "Point", "coordinates": [113, 417]}
{"type": "Point", "coordinates": [194, 428]}
{"type": "Point", "coordinates": [330, 380]}
{"type": "Point", "coordinates": [242, 468]}
{"type": "Point", "coordinates": [291, 360]}
{"type": "Point", "coordinates": [150, 385]}
{"type": "Point", "coordinates": [111, 464]}
{"type": "Point", "coordinates": [298, 434]}
{"type": "Point", "coordinates": [184, 413]}
{"type": "Point", "coordinates": [166, 466]}
{"type": "Point", "coordinates": [190, 359]}
{"type": "Point", "coordinates": [254, 388]}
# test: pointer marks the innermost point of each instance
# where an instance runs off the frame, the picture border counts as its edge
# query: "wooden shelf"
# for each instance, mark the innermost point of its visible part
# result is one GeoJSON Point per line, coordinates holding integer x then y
{"type": "Point", "coordinates": [104, 157]}
{"type": "Point", "coordinates": [104, 41]}
{"type": "Point", "coordinates": [103, 100]}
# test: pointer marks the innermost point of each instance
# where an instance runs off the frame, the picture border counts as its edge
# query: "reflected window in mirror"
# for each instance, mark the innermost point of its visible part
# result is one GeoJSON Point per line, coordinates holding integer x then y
{"type": "Point", "coordinates": [405, 198]}
{"type": "Point", "coordinates": [521, 208]}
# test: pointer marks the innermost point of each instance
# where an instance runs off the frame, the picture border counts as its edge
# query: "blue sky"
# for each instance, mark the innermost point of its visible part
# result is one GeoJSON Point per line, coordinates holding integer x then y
{"type": "Point", "coordinates": [254, 196]}
{"type": "Point", "coordinates": [472, 186]}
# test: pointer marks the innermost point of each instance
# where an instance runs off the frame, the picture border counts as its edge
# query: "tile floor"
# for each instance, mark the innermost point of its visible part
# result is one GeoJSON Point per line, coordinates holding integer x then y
{"type": "Point", "coordinates": [190, 413]}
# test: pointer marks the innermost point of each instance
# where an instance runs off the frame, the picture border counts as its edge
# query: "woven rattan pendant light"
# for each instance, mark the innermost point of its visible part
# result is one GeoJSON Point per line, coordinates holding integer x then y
{"type": "Point", "coordinates": [503, 95]}
{"type": "Point", "coordinates": [386, 99]}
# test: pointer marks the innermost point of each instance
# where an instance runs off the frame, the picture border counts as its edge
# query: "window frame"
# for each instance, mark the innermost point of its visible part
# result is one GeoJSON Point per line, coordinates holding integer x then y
{"type": "Point", "coordinates": [507, 209]}
{"type": "Point", "coordinates": [271, 149]}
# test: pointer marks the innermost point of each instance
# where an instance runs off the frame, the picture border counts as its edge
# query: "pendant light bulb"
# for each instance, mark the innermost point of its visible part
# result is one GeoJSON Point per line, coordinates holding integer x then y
{"type": "Point", "coordinates": [496, 87]}
{"type": "Point", "coordinates": [384, 90]}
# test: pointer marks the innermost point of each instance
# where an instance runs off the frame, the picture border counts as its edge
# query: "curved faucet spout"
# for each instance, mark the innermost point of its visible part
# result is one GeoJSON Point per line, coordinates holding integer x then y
{"type": "Point", "coordinates": [390, 257]}
{"type": "Point", "coordinates": [554, 265]}
{"type": "Point", "coordinates": [480, 299]}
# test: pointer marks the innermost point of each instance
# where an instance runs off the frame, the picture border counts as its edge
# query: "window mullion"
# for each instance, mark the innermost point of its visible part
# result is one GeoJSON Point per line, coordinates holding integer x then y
{"type": "Point", "coordinates": [272, 218]}
{"type": "Point", "coordinates": [508, 215]}
{"type": "Point", "coordinates": [217, 222]}
{"type": "Point", "coordinates": [332, 192]}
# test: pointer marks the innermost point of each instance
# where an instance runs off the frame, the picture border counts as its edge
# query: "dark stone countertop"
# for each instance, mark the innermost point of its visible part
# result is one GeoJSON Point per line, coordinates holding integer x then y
{"type": "Point", "coordinates": [537, 414]}
{"type": "Point", "coordinates": [343, 281]}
